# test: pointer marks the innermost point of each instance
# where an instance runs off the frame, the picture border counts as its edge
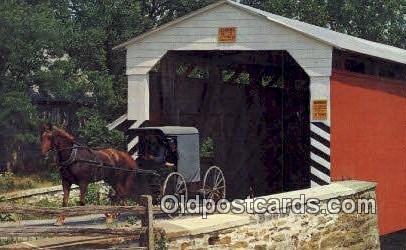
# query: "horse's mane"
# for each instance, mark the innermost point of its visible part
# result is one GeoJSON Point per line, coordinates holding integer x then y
{"type": "Point", "coordinates": [62, 133]}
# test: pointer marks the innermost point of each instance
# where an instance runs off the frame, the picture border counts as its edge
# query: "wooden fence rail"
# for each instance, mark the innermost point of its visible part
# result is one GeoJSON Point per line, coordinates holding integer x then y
{"type": "Point", "coordinates": [75, 211]}
{"type": "Point", "coordinates": [69, 231]}
{"type": "Point", "coordinates": [145, 233]}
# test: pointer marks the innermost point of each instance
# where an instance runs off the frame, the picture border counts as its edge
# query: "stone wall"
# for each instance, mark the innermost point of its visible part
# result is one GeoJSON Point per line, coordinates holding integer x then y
{"type": "Point", "coordinates": [295, 231]}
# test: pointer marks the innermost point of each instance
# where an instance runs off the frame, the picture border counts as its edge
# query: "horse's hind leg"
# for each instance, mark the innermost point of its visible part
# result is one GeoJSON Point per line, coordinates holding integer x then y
{"type": "Point", "coordinates": [66, 185]}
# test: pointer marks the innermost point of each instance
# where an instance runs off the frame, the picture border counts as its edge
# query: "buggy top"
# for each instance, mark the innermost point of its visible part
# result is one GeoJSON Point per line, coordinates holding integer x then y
{"type": "Point", "coordinates": [187, 142]}
{"type": "Point", "coordinates": [166, 130]}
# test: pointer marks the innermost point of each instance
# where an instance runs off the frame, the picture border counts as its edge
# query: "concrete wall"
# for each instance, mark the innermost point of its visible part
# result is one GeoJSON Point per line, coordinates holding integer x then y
{"type": "Point", "coordinates": [292, 231]}
{"type": "Point", "coordinates": [369, 139]}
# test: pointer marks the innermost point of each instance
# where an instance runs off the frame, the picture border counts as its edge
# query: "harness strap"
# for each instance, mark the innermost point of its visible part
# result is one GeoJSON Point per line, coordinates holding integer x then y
{"type": "Point", "coordinates": [98, 163]}
{"type": "Point", "coordinates": [103, 165]}
{"type": "Point", "coordinates": [72, 157]}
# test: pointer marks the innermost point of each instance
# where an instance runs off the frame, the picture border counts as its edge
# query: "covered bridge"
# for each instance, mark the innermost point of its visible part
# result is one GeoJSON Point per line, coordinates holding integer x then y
{"type": "Point", "coordinates": [288, 105]}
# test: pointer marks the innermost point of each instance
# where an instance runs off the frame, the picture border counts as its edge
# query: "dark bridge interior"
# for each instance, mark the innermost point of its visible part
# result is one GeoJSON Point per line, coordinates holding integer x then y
{"type": "Point", "coordinates": [251, 108]}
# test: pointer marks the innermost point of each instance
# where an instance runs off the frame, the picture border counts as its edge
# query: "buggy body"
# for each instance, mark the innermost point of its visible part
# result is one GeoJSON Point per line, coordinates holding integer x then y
{"type": "Point", "coordinates": [185, 175]}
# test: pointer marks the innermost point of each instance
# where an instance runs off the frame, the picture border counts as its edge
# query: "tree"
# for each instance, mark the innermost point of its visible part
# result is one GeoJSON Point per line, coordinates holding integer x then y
{"type": "Point", "coordinates": [382, 21]}
{"type": "Point", "coordinates": [28, 36]}
{"type": "Point", "coordinates": [161, 11]}
{"type": "Point", "coordinates": [63, 56]}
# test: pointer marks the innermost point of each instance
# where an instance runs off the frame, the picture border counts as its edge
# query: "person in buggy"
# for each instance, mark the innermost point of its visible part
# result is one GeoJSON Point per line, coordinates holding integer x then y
{"type": "Point", "coordinates": [159, 154]}
{"type": "Point", "coordinates": [171, 156]}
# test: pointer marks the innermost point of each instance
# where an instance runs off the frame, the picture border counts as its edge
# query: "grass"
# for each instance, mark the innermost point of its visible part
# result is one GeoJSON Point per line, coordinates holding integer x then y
{"type": "Point", "coordinates": [93, 197]}
{"type": "Point", "coordinates": [7, 241]}
{"type": "Point", "coordinates": [10, 182]}
{"type": "Point", "coordinates": [12, 240]}
{"type": "Point", "coordinates": [44, 202]}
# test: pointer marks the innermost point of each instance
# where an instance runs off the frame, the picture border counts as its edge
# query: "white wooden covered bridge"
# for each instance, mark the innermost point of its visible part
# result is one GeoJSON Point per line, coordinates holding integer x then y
{"type": "Point", "coordinates": [230, 37]}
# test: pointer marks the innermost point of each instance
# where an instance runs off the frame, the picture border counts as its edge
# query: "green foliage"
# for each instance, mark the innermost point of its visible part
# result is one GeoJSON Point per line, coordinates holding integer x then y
{"type": "Point", "coordinates": [53, 175]}
{"type": "Point", "coordinates": [63, 49]}
{"type": "Point", "coordinates": [18, 121]}
{"type": "Point", "coordinates": [8, 182]}
{"type": "Point", "coordinates": [95, 132]}
{"type": "Point", "coordinates": [8, 241]}
{"type": "Point", "coordinates": [5, 217]}
{"type": "Point", "coordinates": [26, 32]}
{"type": "Point", "coordinates": [94, 196]}
{"type": "Point", "coordinates": [207, 147]}
{"type": "Point", "coordinates": [45, 202]}
{"type": "Point", "coordinates": [161, 241]}
{"type": "Point", "coordinates": [377, 20]}
{"type": "Point", "coordinates": [162, 11]}
{"type": "Point", "coordinates": [132, 220]}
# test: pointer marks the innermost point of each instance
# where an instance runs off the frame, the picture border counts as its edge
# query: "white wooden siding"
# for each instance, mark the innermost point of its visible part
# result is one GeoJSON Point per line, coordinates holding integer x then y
{"type": "Point", "coordinates": [200, 33]}
{"type": "Point", "coordinates": [320, 90]}
{"type": "Point", "coordinates": [138, 97]}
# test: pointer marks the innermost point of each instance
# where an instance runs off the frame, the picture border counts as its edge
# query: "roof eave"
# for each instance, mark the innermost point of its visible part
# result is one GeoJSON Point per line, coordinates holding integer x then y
{"type": "Point", "coordinates": [170, 24]}
{"type": "Point", "coordinates": [283, 24]}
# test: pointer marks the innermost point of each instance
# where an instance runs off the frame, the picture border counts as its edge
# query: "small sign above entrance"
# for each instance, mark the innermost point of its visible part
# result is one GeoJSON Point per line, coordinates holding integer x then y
{"type": "Point", "coordinates": [319, 110]}
{"type": "Point", "coordinates": [227, 35]}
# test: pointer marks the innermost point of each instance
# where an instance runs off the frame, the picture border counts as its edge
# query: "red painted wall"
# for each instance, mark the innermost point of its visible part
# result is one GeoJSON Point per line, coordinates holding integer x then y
{"type": "Point", "coordinates": [368, 140]}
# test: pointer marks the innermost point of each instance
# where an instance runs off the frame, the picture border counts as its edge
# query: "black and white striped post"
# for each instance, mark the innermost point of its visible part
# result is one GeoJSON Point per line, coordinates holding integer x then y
{"type": "Point", "coordinates": [320, 121]}
{"type": "Point", "coordinates": [319, 154]}
{"type": "Point", "coordinates": [123, 124]}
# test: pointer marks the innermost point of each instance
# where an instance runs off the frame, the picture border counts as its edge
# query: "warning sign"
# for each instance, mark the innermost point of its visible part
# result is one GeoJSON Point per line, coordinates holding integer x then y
{"type": "Point", "coordinates": [319, 110]}
{"type": "Point", "coordinates": [227, 35]}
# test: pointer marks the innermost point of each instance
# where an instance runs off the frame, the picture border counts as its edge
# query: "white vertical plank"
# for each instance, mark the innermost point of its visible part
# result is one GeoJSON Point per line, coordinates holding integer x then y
{"type": "Point", "coordinates": [138, 97]}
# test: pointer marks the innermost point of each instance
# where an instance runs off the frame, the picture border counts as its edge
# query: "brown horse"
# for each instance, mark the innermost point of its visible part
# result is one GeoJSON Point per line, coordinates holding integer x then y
{"type": "Point", "coordinates": [81, 165]}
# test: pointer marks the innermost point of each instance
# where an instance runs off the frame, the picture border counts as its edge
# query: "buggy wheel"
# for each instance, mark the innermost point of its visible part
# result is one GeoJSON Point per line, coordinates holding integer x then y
{"type": "Point", "coordinates": [175, 185]}
{"type": "Point", "coordinates": [214, 184]}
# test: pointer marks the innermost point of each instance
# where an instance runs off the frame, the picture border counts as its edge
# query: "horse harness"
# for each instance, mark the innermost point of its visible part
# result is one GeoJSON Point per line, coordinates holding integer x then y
{"type": "Point", "coordinates": [95, 162]}
{"type": "Point", "coordinates": [72, 158]}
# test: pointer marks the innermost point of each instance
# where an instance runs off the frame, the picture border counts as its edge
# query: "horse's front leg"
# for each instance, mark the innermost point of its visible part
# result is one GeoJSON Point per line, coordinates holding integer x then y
{"type": "Point", "coordinates": [66, 185]}
{"type": "Point", "coordinates": [83, 190]}
{"type": "Point", "coordinates": [66, 191]}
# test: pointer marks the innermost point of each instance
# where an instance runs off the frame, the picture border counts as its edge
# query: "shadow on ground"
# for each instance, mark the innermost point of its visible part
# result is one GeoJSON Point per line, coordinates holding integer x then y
{"type": "Point", "coordinates": [394, 241]}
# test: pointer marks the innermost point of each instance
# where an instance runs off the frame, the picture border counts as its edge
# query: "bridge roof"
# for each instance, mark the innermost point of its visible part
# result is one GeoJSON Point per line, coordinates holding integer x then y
{"type": "Point", "coordinates": [324, 35]}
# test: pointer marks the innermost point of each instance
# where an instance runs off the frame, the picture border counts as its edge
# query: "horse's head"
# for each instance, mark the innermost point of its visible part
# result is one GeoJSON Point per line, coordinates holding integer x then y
{"type": "Point", "coordinates": [46, 138]}
{"type": "Point", "coordinates": [52, 137]}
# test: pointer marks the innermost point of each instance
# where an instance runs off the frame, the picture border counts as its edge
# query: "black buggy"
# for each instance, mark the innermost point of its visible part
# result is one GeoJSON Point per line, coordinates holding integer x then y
{"type": "Point", "coordinates": [177, 162]}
